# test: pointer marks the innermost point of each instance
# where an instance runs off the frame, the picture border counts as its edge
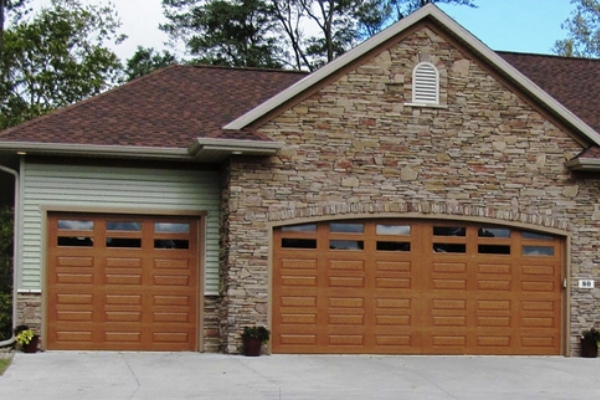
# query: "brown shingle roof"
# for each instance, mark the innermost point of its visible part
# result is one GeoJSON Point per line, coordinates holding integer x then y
{"type": "Point", "coordinates": [574, 82]}
{"type": "Point", "coordinates": [168, 108]}
{"type": "Point", "coordinates": [173, 106]}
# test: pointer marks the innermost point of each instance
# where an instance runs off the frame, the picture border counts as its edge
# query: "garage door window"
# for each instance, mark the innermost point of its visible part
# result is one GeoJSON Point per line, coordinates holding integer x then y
{"type": "Point", "coordinates": [75, 233]}
{"type": "Point", "coordinates": [403, 230]}
{"type": "Point", "coordinates": [300, 228]}
{"type": "Point", "coordinates": [346, 228]}
{"type": "Point", "coordinates": [75, 225]}
{"type": "Point", "coordinates": [124, 243]}
{"type": "Point", "coordinates": [124, 226]}
{"type": "Point", "coordinates": [493, 232]}
{"type": "Point", "coordinates": [540, 251]}
{"type": "Point", "coordinates": [168, 227]}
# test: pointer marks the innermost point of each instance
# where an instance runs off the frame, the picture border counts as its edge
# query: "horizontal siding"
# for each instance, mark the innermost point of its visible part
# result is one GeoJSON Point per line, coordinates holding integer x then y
{"type": "Point", "coordinates": [49, 185]}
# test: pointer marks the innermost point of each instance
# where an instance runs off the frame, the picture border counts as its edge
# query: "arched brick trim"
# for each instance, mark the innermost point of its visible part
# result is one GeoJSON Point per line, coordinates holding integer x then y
{"type": "Point", "coordinates": [412, 210]}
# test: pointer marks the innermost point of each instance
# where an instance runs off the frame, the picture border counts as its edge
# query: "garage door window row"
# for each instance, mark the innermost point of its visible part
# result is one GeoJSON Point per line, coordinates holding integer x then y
{"type": "Point", "coordinates": [493, 241]}
{"type": "Point", "coordinates": [122, 234]}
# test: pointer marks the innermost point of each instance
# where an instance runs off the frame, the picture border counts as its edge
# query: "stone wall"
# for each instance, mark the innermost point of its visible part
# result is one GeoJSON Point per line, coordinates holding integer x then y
{"type": "Point", "coordinates": [357, 143]}
{"type": "Point", "coordinates": [29, 311]}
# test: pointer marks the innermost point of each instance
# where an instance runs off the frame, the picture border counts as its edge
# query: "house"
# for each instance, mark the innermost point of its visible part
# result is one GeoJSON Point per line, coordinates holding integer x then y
{"type": "Point", "coordinates": [421, 194]}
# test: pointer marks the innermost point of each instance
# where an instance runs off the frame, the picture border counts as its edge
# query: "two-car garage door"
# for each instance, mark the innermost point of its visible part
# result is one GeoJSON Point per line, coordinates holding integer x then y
{"type": "Point", "coordinates": [121, 282]}
{"type": "Point", "coordinates": [415, 287]}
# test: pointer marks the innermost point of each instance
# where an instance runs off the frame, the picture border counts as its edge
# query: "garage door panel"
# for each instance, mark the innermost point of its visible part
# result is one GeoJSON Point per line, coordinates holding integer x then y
{"type": "Point", "coordinates": [126, 289]}
{"type": "Point", "coordinates": [465, 290]}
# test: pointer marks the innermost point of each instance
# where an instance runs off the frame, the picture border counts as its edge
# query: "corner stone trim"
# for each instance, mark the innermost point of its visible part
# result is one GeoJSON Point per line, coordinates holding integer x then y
{"type": "Point", "coordinates": [449, 208]}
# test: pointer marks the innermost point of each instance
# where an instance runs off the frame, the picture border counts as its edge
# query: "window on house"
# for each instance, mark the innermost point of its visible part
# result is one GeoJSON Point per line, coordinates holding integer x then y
{"type": "Point", "coordinates": [426, 84]}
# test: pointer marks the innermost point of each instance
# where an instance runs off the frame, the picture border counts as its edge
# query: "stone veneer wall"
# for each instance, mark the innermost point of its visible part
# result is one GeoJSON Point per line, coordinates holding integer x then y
{"type": "Point", "coordinates": [355, 147]}
{"type": "Point", "coordinates": [212, 338]}
{"type": "Point", "coordinates": [29, 311]}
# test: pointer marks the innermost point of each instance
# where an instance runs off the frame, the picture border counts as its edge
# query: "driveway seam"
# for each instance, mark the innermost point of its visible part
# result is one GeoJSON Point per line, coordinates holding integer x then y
{"type": "Point", "coordinates": [137, 381]}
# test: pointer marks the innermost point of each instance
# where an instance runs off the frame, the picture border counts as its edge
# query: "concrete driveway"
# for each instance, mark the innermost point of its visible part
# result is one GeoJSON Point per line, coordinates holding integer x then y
{"type": "Point", "coordinates": [173, 376]}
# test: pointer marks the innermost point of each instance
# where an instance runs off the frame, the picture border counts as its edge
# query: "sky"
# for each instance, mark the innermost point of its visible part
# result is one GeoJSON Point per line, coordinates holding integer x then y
{"type": "Point", "coordinates": [527, 26]}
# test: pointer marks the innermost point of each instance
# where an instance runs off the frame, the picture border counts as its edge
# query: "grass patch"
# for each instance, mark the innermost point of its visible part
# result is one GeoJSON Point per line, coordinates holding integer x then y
{"type": "Point", "coordinates": [4, 363]}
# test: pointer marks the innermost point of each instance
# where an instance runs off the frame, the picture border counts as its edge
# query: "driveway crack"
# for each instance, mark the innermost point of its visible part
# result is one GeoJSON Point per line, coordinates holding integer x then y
{"type": "Point", "coordinates": [137, 381]}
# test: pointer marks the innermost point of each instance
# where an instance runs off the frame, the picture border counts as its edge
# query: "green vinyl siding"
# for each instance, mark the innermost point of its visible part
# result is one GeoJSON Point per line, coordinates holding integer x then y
{"type": "Point", "coordinates": [53, 186]}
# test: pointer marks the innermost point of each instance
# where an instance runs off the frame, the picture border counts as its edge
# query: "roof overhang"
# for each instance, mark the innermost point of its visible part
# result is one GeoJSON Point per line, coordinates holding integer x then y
{"type": "Point", "coordinates": [79, 150]}
{"type": "Point", "coordinates": [202, 150]}
{"type": "Point", "coordinates": [218, 149]}
{"type": "Point", "coordinates": [584, 164]}
{"type": "Point", "coordinates": [429, 12]}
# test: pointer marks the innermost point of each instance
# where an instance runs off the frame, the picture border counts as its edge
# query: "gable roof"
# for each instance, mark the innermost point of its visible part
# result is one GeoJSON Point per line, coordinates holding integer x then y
{"type": "Point", "coordinates": [171, 107]}
{"type": "Point", "coordinates": [201, 113]}
{"type": "Point", "coordinates": [427, 13]}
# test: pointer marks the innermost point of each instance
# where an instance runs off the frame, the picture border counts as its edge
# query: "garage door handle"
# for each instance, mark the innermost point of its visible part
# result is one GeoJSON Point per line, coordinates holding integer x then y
{"type": "Point", "coordinates": [565, 283]}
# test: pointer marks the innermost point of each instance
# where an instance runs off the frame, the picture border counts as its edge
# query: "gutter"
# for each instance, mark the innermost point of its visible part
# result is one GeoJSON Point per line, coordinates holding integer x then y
{"type": "Point", "coordinates": [139, 152]}
{"type": "Point", "coordinates": [16, 247]}
{"type": "Point", "coordinates": [584, 164]}
{"type": "Point", "coordinates": [233, 146]}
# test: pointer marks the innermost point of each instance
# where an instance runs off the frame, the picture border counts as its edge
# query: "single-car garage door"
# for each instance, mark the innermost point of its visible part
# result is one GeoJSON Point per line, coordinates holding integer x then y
{"type": "Point", "coordinates": [415, 287]}
{"type": "Point", "coordinates": [121, 282]}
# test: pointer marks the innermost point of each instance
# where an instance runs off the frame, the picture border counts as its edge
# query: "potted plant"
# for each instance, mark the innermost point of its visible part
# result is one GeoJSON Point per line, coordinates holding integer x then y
{"type": "Point", "coordinates": [253, 337]}
{"type": "Point", "coordinates": [26, 339]}
{"type": "Point", "coordinates": [589, 343]}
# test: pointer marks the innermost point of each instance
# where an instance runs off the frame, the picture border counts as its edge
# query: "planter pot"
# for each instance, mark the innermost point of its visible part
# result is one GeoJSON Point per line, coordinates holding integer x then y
{"type": "Point", "coordinates": [32, 347]}
{"type": "Point", "coordinates": [589, 348]}
{"type": "Point", "coordinates": [252, 346]}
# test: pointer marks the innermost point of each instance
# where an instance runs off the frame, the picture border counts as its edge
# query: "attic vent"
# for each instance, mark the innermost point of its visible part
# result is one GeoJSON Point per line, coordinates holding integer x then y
{"type": "Point", "coordinates": [426, 83]}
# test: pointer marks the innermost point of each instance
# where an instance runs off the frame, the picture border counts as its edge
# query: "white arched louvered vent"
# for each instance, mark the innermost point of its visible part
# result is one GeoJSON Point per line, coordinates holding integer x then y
{"type": "Point", "coordinates": [426, 84]}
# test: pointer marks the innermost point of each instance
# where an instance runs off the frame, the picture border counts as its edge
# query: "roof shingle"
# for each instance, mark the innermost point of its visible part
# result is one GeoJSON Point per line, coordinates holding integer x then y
{"type": "Point", "coordinates": [574, 82]}
{"type": "Point", "coordinates": [167, 108]}
{"type": "Point", "coordinates": [174, 106]}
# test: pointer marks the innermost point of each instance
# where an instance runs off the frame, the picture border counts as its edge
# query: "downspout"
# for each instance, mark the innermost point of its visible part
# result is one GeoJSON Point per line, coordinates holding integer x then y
{"type": "Point", "coordinates": [16, 258]}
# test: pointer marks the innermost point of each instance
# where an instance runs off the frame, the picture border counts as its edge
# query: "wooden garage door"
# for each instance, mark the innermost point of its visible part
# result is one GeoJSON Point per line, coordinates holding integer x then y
{"type": "Point", "coordinates": [121, 283]}
{"type": "Point", "coordinates": [404, 287]}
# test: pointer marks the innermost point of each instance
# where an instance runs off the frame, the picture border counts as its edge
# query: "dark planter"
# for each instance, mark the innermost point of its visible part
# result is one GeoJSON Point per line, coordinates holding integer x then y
{"type": "Point", "coordinates": [32, 347]}
{"type": "Point", "coordinates": [589, 348]}
{"type": "Point", "coordinates": [252, 346]}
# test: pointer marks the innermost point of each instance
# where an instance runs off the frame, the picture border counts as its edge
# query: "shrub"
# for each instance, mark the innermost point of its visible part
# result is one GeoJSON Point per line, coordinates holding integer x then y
{"type": "Point", "coordinates": [5, 316]}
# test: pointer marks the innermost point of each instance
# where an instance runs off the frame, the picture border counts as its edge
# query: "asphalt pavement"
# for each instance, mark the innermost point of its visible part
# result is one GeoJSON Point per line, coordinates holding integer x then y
{"type": "Point", "coordinates": [59, 375]}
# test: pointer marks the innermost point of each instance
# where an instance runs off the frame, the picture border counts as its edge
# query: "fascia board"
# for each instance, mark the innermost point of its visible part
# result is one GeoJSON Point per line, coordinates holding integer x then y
{"type": "Point", "coordinates": [95, 150]}
{"type": "Point", "coordinates": [583, 164]}
{"type": "Point", "coordinates": [235, 146]}
{"type": "Point", "coordinates": [454, 29]}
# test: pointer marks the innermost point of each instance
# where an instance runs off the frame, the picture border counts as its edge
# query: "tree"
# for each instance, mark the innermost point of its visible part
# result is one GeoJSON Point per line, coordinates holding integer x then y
{"type": "Point", "coordinates": [55, 59]}
{"type": "Point", "coordinates": [146, 60]}
{"type": "Point", "coordinates": [583, 39]}
{"type": "Point", "coordinates": [6, 271]}
{"type": "Point", "coordinates": [10, 5]}
{"type": "Point", "coordinates": [222, 32]}
{"type": "Point", "coordinates": [310, 33]}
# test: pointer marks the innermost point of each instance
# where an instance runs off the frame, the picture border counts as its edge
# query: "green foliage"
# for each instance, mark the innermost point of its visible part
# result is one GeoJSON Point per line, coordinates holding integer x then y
{"type": "Point", "coordinates": [5, 316]}
{"type": "Point", "coordinates": [4, 363]}
{"type": "Point", "coordinates": [583, 26]}
{"type": "Point", "coordinates": [6, 233]}
{"type": "Point", "coordinates": [259, 332]}
{"type": "Point", "coordinates": [301, 34]}
{"type": "Point", "coordinates": [222, 32]}
{"type": "Point", "coordinates": [592, 334]}
{"type": "Point", "coordinates": [6, 273]}
{"type": "Point", "coordinates": [56, 58]}
{"type": "Point", "coordinates": [24, 337]}
{"type": "Point", "coordinates": [146, 60]}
